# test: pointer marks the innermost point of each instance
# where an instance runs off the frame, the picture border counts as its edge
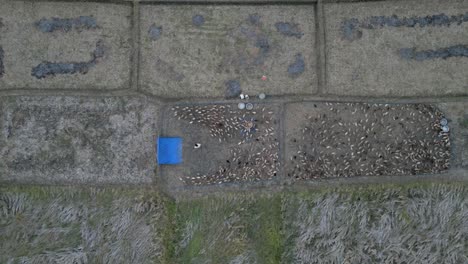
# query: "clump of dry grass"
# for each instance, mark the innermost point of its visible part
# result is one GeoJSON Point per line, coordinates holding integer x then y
{"type": "Point", "coordinates": [64, 225]}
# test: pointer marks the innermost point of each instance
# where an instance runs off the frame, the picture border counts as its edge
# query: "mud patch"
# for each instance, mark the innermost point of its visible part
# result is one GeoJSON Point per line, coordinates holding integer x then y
{"type": "Point", "coordinates": [443, 53]}
{"type": "Point", "coordinates": [236, 145]}
{"type": "Point", "coordinates": [254, 19]}
{"type": "Point", "coordinates": [352, 139]}
{"type": "Point", "coordinates": [155, 32]}
{"type": "Point", "coordinates": [66, 24]}
{"type": "Point", "coordinates": [233, 89]}
{"type": "Point", "coordinates": [263, 44]}
{"type": "Point", "coordinates": [297, 67]}
{"type": "Point", "coordinates": [45, 69]}
{"type": "Point", "coordinates": [350, 31]}
{"type": "Point", "coordinates": [198, 20]}
{"type": "Point", "coordinates": [53, 68]}
{"type": "Point", "coordinates": [289, 29]}
{"type": "Point", "coordinates": [77, 139]}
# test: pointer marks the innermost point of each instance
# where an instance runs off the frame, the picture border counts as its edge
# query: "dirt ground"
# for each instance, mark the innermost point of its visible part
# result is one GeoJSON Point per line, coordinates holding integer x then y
{"type": "Point", "coordinates": [326, 140]}
{"type": "Point", "coordinates": [235, 145]}
{"type": "Point", "coordinates": [223, 144]}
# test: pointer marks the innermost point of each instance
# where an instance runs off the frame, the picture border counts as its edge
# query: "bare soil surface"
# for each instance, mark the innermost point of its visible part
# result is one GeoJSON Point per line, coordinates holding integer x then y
{"type": "Point", "coordinates": [327, 140]}
{"type": "Point", "coordinates": [223, 144]}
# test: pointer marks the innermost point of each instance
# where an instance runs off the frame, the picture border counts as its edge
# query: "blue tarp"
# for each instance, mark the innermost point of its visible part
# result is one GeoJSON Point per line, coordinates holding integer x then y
{"type": "Point", "coordinates": [169, 150]}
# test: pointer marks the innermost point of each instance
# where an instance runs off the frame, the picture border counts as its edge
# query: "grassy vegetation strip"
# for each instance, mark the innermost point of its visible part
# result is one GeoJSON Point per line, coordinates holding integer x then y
{"type": "Point", "coordinates": [232, 229]}
{"type": "Point", "coordinates": [75, 225]}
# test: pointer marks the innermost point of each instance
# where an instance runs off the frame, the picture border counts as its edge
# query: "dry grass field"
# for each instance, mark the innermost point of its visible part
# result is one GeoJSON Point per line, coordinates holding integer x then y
{"type": "Point", "coordinates": [73, 225]}
{"type": "Point", "coordinates": [418, 223]}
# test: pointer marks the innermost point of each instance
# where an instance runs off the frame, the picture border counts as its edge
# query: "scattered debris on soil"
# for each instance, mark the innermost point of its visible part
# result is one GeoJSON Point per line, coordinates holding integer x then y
{"type": "Point", "coordinates": [359, 139]}
{"type": "Point", "coordinates": [253, 133]}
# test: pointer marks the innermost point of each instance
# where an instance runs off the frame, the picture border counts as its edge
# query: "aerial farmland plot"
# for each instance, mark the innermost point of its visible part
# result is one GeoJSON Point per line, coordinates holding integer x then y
{"type": "Point", "coordinates": [233, 132]}
{"type": "Point", "coordinates": [327, 140]}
